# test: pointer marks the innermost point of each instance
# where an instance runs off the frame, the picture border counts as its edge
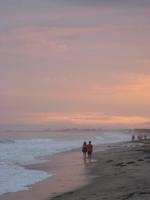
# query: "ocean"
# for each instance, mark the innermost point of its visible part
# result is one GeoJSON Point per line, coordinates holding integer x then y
{"type": "Point", "coordinates": [21, 148]}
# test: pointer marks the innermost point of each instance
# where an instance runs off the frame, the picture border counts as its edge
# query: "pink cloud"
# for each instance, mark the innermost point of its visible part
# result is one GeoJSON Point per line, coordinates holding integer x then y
{"type": "Point", "coordinates": [88, 119]}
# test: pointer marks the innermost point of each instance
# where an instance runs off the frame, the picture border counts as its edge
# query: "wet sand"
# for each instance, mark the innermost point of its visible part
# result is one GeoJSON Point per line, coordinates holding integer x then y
{"type": "Point", "coordinates": [69, 172]}
{"type": "Point", "coordinates": [122, 173]}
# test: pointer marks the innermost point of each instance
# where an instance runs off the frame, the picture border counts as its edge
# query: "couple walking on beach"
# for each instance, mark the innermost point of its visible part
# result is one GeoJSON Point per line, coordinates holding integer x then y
{"type": "Point", "coordinates": [87, 149]}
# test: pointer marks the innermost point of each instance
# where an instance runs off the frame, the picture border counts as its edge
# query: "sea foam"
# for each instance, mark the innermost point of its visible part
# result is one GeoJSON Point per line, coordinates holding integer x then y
{"type": "Point", "coordinates": [15, 154]}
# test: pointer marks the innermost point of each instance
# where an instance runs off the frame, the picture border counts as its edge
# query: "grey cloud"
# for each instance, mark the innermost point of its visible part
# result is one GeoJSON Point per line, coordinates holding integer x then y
{"type": "Point", "coordinates": [10, 6]}
{"type": "Point", "coordinates": [106, 2]}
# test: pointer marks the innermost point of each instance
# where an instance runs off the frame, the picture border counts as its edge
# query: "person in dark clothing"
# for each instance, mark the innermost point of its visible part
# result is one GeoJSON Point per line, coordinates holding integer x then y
{"type": "Point", "coordinates": [84, 150]}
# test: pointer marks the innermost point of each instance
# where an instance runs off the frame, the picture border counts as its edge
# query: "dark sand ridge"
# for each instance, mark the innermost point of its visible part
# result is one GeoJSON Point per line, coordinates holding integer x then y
{"type": "Point", "coordinates": [122, 173]}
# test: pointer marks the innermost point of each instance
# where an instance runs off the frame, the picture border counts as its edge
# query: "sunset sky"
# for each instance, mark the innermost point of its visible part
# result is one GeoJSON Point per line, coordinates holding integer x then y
{"type": "Point", "coordinates": [75, 63]}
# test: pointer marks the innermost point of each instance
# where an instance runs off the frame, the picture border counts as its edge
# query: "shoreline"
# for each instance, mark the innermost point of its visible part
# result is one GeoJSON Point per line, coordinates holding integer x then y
{"type": "Point", "coordinates": [60, 182]}
{"type": "Point", "coordinates": [113, 173]}
{"type": "Point", "coordinates": [121, 173]}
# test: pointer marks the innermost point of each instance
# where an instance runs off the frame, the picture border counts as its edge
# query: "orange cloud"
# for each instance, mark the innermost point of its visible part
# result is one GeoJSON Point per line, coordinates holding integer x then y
{"type": "Point", "coordinates": [131, 89]}
{"type": "Point", "coordinates": [88, 119]}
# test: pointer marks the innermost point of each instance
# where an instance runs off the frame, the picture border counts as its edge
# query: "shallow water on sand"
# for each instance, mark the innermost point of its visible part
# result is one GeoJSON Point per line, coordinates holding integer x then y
{"type": "Point", "coordinates": [25, 148]}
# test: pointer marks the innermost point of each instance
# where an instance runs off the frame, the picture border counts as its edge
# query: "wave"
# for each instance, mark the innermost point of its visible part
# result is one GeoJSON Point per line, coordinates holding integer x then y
{"type": "Point", "coordinates": [7, 141]}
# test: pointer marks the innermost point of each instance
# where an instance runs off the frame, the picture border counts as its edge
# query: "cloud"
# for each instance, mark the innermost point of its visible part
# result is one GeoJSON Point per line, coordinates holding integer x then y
{"type": "Point", "coordinates": [106, 3]}
{"type": "Point", "coordinates": [75, 56]}
{"type": "Point", "coordinates": [88, 119]}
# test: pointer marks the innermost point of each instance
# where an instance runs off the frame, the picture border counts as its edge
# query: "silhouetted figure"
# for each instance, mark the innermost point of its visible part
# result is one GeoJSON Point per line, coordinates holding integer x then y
{"type": "Point", "coordinates": [139, 137]}
{"type": "Point", "coordinates": [89, 150]}
{"type": "Point", "coordinates": [84, 150]}
{"type": "Point", "coordinates": [133, 138]}
{"type": "Point", "coordinates": [145, 137]}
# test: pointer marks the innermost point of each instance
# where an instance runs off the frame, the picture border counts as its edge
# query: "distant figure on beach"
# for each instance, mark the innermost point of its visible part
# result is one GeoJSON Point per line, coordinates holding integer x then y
{"type": "Point", "coordinates": [133, 138]}
{"type": "Point", "coordinates": [89, 150]}
{"type": "Point", "coordinates": [145, 137]}
{"type": "Point", "coordinates": [84, 150]}
{"type": "Point", "coordinates": [139, 137]}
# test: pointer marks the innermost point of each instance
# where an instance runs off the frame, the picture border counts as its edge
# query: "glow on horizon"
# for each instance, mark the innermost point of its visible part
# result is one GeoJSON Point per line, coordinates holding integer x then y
{"type": "Point", "coordinates": [87, 120]}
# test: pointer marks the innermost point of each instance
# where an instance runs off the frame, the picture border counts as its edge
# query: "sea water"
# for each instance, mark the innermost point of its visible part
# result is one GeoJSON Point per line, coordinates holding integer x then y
{"type": "Point", "coordinates": [16, 153]}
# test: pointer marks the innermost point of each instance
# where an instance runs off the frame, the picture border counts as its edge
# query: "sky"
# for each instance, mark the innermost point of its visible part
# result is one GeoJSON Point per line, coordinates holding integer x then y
{"type": "Point", "coordinates": [75, 63]}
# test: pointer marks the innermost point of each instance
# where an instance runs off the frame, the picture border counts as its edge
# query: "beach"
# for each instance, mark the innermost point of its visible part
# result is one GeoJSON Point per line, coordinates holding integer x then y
{"type": "Point", "coordinates": [117, 171]}
{"type": "Point", "coordinates": [68, 170]}
{"type": "Point", "coordinates": [74, 72]}
{"type": "Point", "coordinates": [122, 172]}
{"type": "Point", "coordinates": [29, 163]}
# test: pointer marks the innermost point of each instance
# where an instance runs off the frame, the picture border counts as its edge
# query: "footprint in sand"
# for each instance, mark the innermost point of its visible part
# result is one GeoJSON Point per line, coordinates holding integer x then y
{"type": "Point", "coordinates": [147, 157]}
{"type": "Point", "coordinates": [121, 164]}
{"type": "Point", "coordinates": [109, 161]}
{"type": "Point", "coordinates": [140, 160]}
{"type": "Point", "coordinates": [130, 162]}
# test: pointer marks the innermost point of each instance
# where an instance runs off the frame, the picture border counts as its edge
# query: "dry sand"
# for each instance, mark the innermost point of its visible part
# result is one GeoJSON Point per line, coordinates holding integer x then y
{"type": "Point", "coordinates": [122, 173]}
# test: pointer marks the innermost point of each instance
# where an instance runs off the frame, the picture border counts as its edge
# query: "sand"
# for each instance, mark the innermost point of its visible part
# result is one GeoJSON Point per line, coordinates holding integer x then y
{"type": "Point", "coordinates": [68, 170]}
{"type": "Point", "coordinates": [122, 173]}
